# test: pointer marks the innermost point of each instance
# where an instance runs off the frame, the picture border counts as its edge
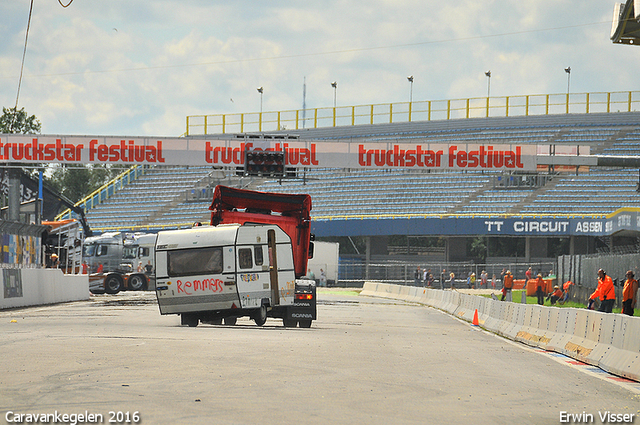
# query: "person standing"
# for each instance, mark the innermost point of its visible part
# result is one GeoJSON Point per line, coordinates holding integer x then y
{"type": "Point", "coordinates": [442, 275]}
{"type": "Point", "coordinates": [528, 274]}
{"type": "Point", "coordinates": [429, 279]}
{"type": "Point", "coordinates": [483, 279]}
{"type": "Point", "coordinates": [452, 280]}
{"type": "Point", "coordinates": [417, 276]}
{"type": "Point", "coordinates": [323, 278]}
{"type": "Point", "coordinates": [605, 291]}
{"type": "Point", "coordinates": [629, 296]}
{"type": "Point", "coordinates": [508, 286]}
{"type": "Point", "coordinates": [540, 289]}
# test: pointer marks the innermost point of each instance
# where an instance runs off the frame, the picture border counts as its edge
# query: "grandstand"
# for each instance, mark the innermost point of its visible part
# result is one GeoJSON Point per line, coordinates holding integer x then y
{"type": "Point", "coordinates": [372, 202]}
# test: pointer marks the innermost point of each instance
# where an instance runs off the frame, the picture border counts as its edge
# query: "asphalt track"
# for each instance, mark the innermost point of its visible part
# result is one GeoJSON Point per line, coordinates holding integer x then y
{"type": "Point", "coordinates": [364, 361]}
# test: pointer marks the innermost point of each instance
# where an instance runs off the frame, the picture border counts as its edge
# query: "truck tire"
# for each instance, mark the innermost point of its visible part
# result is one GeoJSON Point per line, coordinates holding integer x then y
{"type": "Point", "coordinates": [230, 321]}
{"type": "Point", "coordinates": [137, 282]}
{"type": "Point", "coordinates": [305, 323]}
{"type": "Point", "coordinates": [260, 316]}
{"type": "Point", "coordinates": [112, 284]}
{"type": "Point", "coordinates": [189, 320]}
{"type": "Point", "coordinates": [289, 323]}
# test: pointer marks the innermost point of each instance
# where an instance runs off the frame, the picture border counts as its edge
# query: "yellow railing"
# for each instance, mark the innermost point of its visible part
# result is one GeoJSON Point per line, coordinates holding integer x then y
{"type": "Point", "coordinates": [478, 107]}
{"type": "Point", "coordinates": [105, 191]}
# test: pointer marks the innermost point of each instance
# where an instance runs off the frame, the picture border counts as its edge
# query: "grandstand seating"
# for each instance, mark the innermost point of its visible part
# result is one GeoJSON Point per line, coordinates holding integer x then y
{"type": "Point", "coordinates": [160, 198]}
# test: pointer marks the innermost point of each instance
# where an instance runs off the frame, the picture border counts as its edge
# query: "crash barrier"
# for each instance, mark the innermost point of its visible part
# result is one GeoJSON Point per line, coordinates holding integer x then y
{"type": "Point", "coordinates": [608, 341]}
{"type": "Point", "coordinates": [28, 287]}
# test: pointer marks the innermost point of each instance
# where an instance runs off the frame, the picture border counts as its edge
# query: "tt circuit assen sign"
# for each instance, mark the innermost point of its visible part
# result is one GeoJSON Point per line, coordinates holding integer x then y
{"type": "Point", "coordinates": [202, 152]}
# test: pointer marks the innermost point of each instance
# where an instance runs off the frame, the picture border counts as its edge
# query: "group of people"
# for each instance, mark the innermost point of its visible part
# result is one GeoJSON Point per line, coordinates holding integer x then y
{"type": "Point", "coordinates": [323, 277]}
{"type": "Point", "coordinates": [423, 277]}
{"type": "Point", "coordinates": [606, 293]}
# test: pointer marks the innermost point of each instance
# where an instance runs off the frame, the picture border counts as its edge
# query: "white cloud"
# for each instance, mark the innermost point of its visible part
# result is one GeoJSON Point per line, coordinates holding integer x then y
{"type": "Point", "coordinates": [138, 68]}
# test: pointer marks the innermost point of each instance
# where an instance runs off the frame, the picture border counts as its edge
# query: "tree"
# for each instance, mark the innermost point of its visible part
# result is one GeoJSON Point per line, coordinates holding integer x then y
{"type": "Point", "coordinates": [18, 121]}
{"type": "Point", "coordinates": [77, 181]}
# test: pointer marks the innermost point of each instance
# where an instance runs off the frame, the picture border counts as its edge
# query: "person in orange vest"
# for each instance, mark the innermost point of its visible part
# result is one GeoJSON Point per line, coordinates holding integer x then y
{"type": "Point", "coordinates": [629, 294]}
{"type": "Point", "coordinates": [556, 295]}
{"type": "Point", "coordinates": [508, 286]}
{"type": "Point", "coordinates": [540, 289]}
{"type": "Point", "coordinates": [605, 292]}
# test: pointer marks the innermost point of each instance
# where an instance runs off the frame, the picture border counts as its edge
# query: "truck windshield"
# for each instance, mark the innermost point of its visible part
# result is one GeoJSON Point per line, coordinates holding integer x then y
{"type": "Point", "coordinates": [130, 252]}
{"type": "Point", "coordinates": [189, 262]}
{"type": "Point", "coordinates": [89, 250]}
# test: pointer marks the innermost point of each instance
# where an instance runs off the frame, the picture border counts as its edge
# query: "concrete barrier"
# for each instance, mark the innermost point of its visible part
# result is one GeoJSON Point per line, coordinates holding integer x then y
{"type": "Point", "coordinates": [609, 341]}
{"type": "Point", "coordinates": [28, 287]}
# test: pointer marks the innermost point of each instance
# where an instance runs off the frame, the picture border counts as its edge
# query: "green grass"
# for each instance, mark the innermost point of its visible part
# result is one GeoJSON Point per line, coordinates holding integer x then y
{"type": "Point", "coordinates": [338, 291]}
{"type": "Point", "coordinates": [517, 296]}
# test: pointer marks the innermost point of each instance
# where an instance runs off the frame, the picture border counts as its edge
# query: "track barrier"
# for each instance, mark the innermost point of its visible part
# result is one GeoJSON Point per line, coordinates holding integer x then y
{"type": "Point", "coordinates": [606, 340]}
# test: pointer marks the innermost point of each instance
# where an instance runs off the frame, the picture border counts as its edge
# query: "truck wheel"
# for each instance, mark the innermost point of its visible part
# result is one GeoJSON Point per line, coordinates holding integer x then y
{"type": "Point", "coordinates": [137, 282]}
{"type": "Point", "coordinates": [189, 320]}
{"type": "Point", "coordinates": [305, 323]}
{"type": "Point", "coordinates": [112, 285]}
{"type": "Point", "coordinates": [230, 321]}
{"type": "Point", "coordinates": [289, 323]}
{"type": "Point", "coordinates": [260, 317]}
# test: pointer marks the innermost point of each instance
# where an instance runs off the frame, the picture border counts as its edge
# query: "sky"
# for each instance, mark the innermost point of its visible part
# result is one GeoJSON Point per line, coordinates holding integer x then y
{"type": "Point", "coordinates": [138, 68]}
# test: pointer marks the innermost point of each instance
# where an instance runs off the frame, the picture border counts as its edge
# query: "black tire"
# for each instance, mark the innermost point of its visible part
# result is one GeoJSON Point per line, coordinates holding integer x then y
{"type": "Point", "coordinates": [137, 282]}
{"type": "Point", "coordinates": [230, 321]}
{"type": "Point", "coordinates": [305, 323]}
{"type": "Point", "coordinates": [112, 284]}
{"type": "Point", "coordinates": [189, 320]}
{"type": "Point", "coordinates": [289, 323]}
{"type": "Point", "coordinates": [260, 316]}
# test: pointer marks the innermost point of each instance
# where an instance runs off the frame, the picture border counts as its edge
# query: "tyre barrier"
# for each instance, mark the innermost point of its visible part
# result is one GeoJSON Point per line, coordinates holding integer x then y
{"type": "Point", "coordinates": [608, 341]}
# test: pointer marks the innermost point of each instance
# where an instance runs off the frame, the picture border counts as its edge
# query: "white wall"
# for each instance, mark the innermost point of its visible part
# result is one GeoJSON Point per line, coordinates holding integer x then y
{"type": "Point", "coordinates": [27, 287]}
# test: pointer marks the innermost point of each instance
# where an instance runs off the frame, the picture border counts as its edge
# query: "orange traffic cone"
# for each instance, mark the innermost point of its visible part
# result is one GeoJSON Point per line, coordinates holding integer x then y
{"type": "Point", "coordinates": [475, 319]}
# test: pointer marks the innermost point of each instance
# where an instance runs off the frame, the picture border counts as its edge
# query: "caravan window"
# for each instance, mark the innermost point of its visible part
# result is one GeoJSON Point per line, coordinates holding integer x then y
{"type": "Point", "coordinates": [244, 258]}
{"type": "Point", "coordinates": [257, 249]}
{"type": "Point", "coordinates": [194, 261]}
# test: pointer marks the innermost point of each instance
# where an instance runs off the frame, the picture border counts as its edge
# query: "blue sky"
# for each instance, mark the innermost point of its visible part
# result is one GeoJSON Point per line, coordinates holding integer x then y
{"type": "Point", "coordinates": [139, 68]}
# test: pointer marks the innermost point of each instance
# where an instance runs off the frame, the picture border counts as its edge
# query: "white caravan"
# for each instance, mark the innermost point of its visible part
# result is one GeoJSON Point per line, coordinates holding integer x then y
{"type": "Point", "coordinates": [213, 273]}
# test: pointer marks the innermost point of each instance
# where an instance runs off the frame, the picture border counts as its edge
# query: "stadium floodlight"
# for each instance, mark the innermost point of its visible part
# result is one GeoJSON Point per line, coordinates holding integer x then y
{"type": "Point", "coordinates": [261, 91]}
{"type": "Point", "coordinates": [334, 84]}
{"type": "Point", "coordinates": [488, 74]}
{"type": "Point", "coordinates": [625, 27]}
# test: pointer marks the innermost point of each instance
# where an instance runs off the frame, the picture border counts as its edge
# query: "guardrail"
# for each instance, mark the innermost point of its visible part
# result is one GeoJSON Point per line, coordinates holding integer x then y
{"type": "Point", "coordinates": [475, 107]}
{"type": "Point", "coordinates": [606, 340]}
{"type": "Point", "coordinates": [105, 191]}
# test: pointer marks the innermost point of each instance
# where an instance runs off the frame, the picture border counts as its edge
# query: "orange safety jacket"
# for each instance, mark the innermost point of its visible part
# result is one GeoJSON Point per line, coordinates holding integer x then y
{"type": "Point", "coordinates": [605, 290]}
{"type": "Point", "coordinates": [630, 289]}
{"type": "Point", "coordinates": [508, 281]}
